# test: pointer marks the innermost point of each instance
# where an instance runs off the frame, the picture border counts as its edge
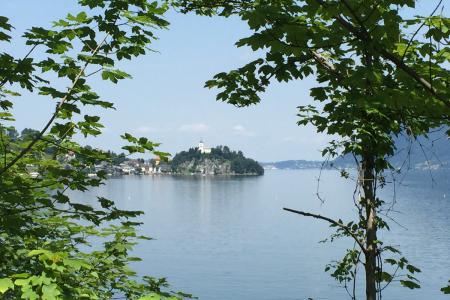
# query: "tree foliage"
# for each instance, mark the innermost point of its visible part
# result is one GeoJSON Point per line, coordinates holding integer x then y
{"type": "Point", "coordinates": [52, 246]}
{"type": "Point", "coordinates": [379, 75]}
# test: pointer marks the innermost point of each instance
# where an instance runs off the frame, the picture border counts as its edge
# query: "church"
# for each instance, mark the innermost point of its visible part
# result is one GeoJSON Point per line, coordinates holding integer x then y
{"type": "Point", "coordinates": [203, 149]}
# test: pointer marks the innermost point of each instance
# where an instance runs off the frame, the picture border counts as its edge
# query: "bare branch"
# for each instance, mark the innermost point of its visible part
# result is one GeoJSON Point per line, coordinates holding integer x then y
{"type": "Point", "coordinates": [331, 221]}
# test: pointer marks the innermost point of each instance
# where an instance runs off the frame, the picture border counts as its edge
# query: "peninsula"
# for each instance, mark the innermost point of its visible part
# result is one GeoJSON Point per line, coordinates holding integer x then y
{"type": "Point", "coordinates": [214, 161]}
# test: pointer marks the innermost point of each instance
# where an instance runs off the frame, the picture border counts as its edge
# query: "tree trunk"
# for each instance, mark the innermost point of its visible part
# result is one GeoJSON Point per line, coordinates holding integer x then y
{"type": "Point", "coordinates": [368, 181]}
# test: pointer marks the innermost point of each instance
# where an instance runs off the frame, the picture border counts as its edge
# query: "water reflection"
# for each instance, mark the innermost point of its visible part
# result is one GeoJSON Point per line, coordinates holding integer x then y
{"type": "Point", "coordinates": [228, 238]}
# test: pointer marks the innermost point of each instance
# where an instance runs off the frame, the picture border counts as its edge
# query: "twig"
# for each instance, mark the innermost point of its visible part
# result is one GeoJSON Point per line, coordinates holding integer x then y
{"type": "Point", "coordinates": [418, 29]}
{"type": "Point", "coordinates": [331, 221]}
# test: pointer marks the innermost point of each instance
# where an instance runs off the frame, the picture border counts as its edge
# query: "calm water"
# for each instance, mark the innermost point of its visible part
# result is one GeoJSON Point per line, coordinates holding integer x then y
{"type": "Point", "coordinates": [228, 238]}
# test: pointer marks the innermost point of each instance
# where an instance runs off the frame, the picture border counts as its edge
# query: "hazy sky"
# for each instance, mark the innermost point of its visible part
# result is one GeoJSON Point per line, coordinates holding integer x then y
{"type": "Point", "coordinates": [166, 101]}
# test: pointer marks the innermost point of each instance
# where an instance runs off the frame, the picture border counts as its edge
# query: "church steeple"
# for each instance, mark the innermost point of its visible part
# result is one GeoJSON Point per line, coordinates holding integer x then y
{"type": "Point", "coordinates": [202, 148]}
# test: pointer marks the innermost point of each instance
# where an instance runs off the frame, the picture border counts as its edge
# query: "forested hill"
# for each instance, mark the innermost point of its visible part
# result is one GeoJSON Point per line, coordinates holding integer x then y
{"type": "Point", "coordinates": [221, 161]}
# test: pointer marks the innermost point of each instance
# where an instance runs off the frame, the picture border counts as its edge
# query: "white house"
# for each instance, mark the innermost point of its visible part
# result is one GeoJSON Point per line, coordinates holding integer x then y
{"type": "Point", "coordinates": [203, 148]}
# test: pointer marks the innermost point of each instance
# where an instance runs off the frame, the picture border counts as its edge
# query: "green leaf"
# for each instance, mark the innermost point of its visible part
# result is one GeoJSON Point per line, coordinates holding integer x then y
{"type": "Point", "coordinates": [152, 296]}
{"type": "Point", "coordinates": [412, 269]}
{"type": "Point", "coordinates": [446, 290]}
{"type": "Point", "coordinates": [409, 284]}
{"type": "Point", "coordinates": [38, 252]}
{"type": "Point", "coordinates": [50, 292]}
{"type": "Point", "coordinates": [5, 285]}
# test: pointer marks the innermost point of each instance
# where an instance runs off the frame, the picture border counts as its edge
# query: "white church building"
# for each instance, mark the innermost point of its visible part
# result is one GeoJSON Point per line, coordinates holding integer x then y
{"type": "Point", "coordinates": [203, 148]}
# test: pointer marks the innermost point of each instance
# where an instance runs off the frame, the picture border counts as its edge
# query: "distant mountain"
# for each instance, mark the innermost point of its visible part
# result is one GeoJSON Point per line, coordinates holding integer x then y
{"type": "Point", "coordinates": [291, 165]}
{"type": "Point", "coordinates": [431, 152]}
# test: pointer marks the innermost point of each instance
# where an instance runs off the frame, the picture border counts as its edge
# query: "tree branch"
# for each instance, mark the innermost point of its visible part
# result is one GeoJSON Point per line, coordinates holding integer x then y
{"type": "Point", "coordinates": [326, 64]}
{"type": "Point", "coordinates": [331, 221]}
{"type": "Point", "coordinates": [55, 114]}
{"type": "Point", "coordinates": [418, 29]}
{"type": "Point", "coordinates": [363, 36]}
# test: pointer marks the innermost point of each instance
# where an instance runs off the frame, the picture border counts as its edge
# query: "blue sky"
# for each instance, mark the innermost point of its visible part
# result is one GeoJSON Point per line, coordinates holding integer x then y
{"type": "Point", "coordinates": [166, 102]}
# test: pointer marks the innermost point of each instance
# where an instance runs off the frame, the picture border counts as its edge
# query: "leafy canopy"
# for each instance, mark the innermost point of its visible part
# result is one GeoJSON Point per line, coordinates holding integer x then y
{"type": "Point", "coordinates": [379, 75]}
{"type": "Point", "coordinates": [53, 247]}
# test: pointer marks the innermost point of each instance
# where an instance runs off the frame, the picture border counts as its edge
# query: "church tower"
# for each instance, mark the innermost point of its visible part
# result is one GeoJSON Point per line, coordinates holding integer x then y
{"type": "Point", "coordinates": [201, 146]}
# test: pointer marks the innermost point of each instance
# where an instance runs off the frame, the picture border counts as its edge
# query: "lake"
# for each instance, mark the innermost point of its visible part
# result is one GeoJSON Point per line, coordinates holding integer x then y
{"type": "Point", "coordinates": [228, 238]}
